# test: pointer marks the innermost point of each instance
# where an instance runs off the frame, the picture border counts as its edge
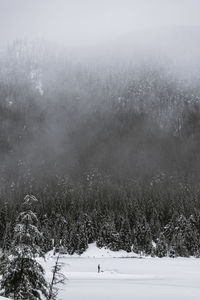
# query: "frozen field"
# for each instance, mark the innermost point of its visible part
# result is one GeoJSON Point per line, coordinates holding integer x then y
{"type": "Point", "coordinates": [128, 278]}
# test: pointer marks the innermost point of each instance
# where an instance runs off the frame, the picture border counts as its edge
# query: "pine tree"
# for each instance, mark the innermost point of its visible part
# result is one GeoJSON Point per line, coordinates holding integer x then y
{"type": "Point", "coordinates": [72, 240]}
{"type": "Point", "coordinates": [77, 240]}
{"type": "Point", "coordinates": [7, 232]}
{"type": "Point", "coordinates": [22, 275]}
{"type": "Point", "coordinates": [7, 237]}
{"type": "Point", "coordinates": [82, 244]}
{"type": "Point", "coordinates": [125, 236]}
{"type": "Point", "coordinates": [47, 241]}
{"type": "Point", "coordinates": [155, 224]}
{"type": "Point", "coordinates": [57, 278]}
{"type": "Point", "coordinates": [161, 248]}
{"type": "Point", "coordinates": [192, 237]}
{"type": "Point", "coordinates": [183, 236]}
{"type": "Point", "coordinates": [89, 228]}
{"type": "Point", "coordinates": [108, 236]}
{"type": "Point", "coordinates": [143, 236]}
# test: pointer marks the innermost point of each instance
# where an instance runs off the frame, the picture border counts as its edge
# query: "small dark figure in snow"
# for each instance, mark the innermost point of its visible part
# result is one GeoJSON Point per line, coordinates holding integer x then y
{"type": "Point", "coordinates": [99, 268]}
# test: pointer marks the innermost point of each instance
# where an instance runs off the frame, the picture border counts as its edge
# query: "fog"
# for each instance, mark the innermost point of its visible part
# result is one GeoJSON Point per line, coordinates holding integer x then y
{"type": "Point", "coordinates": [99, 85]}
{"type": "Point", "coordinates": [89, 22]}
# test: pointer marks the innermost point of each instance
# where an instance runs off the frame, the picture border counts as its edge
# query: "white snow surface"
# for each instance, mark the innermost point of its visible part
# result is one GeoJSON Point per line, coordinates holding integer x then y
{"type": "Point", "coordinates": [126, 276]}
{"type": "Point", "coordinates": [94, 252]}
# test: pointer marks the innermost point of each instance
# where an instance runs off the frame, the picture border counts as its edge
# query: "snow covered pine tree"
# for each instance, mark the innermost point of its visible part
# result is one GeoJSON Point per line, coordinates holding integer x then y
{"type": "Point", "coordinates": [22, 275]}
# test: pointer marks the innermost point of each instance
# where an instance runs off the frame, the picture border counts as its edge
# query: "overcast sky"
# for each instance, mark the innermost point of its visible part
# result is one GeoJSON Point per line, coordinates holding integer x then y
{"type": "Point", "coordinates": [90, 21]}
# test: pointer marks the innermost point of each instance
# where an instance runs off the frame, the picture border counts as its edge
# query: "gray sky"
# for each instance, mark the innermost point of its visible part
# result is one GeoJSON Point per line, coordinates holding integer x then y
{"type": "Point", "coordinates": [90, 21]}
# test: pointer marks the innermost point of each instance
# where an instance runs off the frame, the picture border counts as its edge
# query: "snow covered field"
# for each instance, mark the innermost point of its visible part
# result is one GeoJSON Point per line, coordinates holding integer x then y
{"type": "Point", "coordinates": [127, 278]}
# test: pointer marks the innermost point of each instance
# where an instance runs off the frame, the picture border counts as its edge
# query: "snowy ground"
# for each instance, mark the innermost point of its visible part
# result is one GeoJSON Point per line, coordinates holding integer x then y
{"type": "Point", "coordinates": [127, 278]}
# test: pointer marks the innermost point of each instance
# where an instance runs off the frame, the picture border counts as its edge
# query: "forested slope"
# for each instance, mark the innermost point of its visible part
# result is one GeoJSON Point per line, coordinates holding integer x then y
{"type": "Point", "coordinates": [110, 150]}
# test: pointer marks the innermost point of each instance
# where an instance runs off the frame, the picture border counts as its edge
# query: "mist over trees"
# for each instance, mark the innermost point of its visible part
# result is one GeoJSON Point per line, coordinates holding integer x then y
{"type": "Point", "coordinates": [111, 150]}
